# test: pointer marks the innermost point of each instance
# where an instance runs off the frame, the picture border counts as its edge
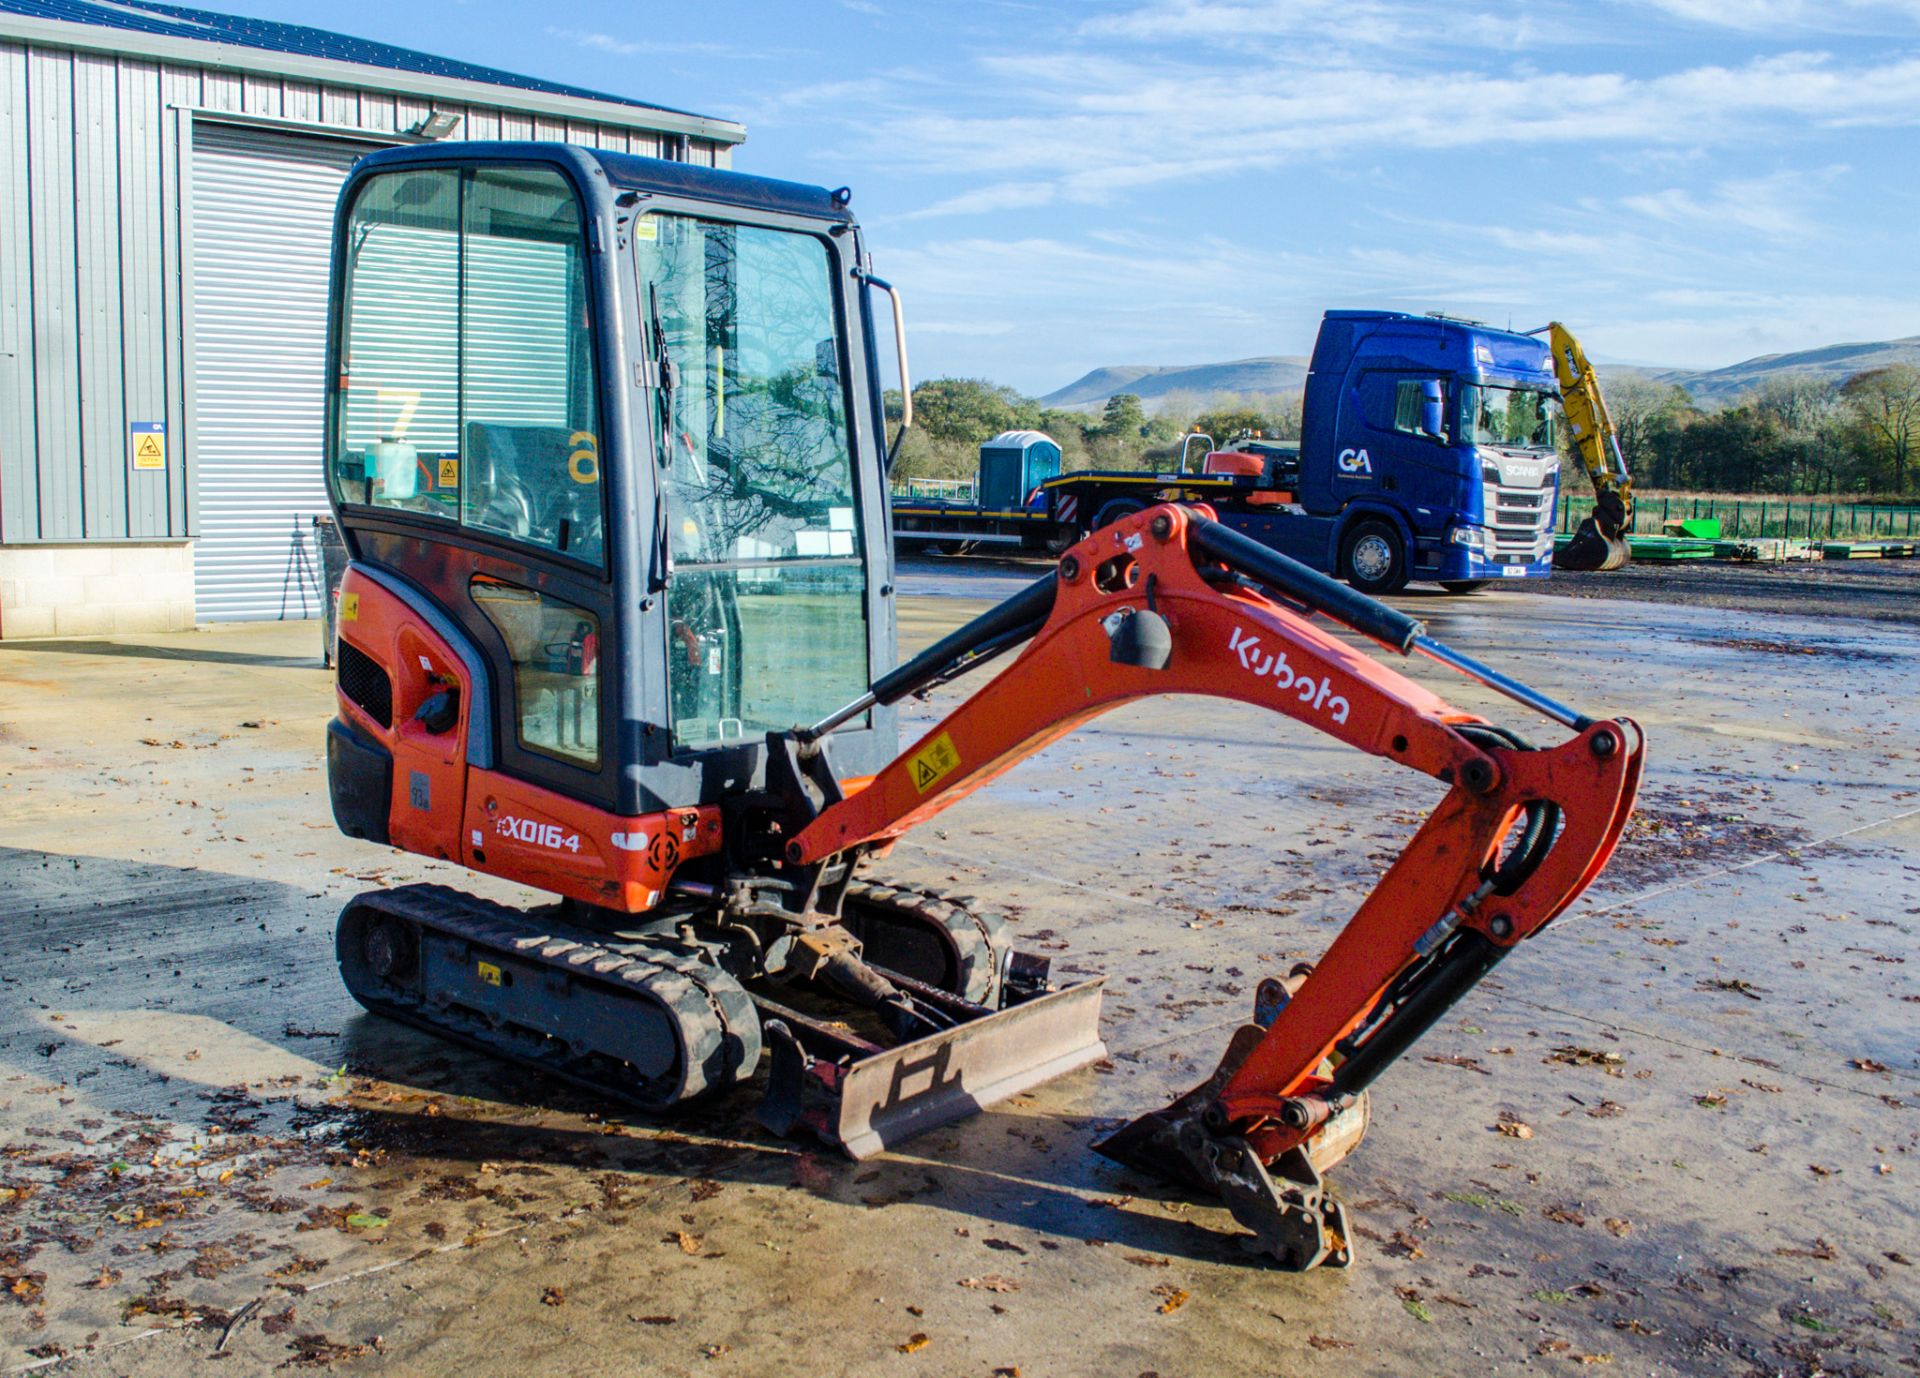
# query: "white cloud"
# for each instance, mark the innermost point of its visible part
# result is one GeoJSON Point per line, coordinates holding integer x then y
{"type": "Point", "coordinates": [1003, 196]}
{"type": "Point", "coordinates": [1779, 16]}
{"type": "Point", "coordinates": [1103, 125]}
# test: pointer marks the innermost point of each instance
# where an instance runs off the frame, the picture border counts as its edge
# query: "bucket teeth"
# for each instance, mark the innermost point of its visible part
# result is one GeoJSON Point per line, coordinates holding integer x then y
{"type": "Point", "coordinates": [1295, 1219]}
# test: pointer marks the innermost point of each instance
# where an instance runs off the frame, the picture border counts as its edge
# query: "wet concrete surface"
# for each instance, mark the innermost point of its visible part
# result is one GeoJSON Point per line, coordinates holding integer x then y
{"type": "Point", "coordinates": [207, 1150]}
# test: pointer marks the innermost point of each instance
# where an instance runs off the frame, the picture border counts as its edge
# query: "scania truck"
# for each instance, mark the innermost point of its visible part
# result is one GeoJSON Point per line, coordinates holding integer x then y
{"type": "Point", "coordinates": [1427, 452]}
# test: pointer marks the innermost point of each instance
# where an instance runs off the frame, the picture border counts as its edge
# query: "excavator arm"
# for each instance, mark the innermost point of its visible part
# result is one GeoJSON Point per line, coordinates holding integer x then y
{"type": "Point", "coordinates": [1600, 543]}
{"type": "Point", "coordinates": [1170, 602]}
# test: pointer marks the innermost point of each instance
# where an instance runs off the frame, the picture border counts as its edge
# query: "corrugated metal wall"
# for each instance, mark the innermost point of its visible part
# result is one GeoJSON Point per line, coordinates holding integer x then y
{"type": "Point", "coordinates": [95, 278]}
{"type": "Point", "coordinates": [263, 230]}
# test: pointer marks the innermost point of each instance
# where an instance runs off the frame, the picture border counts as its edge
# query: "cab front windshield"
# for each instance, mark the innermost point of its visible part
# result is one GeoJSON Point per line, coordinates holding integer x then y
{"type": "Point", "coordinates": [1514, 418]}
{"type": "Point", "coordinates": [760, 521]}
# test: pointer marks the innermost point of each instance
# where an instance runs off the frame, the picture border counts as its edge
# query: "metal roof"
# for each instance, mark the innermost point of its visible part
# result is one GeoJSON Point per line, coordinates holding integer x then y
{"type": "Point", "coordinates": [147, 26]}
{"type": "Point", "coordinates": [1019, 440]}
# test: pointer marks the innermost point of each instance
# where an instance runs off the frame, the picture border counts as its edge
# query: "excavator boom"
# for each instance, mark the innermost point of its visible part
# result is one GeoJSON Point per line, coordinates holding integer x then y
{"type": "Point", "coordinates": [1600, 542]}
{"type": "Point", "coordinates": [1170, 602]}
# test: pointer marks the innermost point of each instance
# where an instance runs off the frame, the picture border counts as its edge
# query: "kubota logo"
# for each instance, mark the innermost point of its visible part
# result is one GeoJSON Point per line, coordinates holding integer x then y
{"type": "Point", "coordinates": [1354, 462]}
{"type": "Point", "coordinates": [1316, 693]}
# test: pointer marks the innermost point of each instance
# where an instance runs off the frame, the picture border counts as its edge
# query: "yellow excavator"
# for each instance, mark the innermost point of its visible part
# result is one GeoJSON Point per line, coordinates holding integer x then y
{"type": "Point", "coordinates": [1600, 542]}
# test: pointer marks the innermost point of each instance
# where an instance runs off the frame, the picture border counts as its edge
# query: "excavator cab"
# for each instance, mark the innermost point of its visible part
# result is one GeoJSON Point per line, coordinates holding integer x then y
{"type": "Point", "coordinates": [615, 419]}
{"type": "Point", "coordinates": [604, 440]}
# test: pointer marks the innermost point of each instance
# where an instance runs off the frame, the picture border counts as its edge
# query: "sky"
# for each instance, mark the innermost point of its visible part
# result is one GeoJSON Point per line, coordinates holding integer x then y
{"type": "Point", "coordinates": [1059, 186]}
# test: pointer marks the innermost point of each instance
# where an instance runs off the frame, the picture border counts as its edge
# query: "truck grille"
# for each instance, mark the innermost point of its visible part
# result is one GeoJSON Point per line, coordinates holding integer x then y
{"type": "Point", "coordinates": [1518, 519]}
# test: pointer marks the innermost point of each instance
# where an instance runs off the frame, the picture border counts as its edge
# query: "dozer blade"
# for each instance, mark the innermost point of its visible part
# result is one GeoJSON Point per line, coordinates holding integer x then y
{"type": "Point", "coordinates": [864, 1105]}
{"type": "Point", "coordinates": [1592, 549]}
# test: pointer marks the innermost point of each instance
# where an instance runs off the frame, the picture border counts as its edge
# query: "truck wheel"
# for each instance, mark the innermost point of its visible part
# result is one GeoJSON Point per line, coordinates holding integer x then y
{"type": "Point", "coordinates": [1373, 558]}
{"type": "Point", "coordinates": [1464, 585]}
{"type": "Point", "coordinates": [1113, 509]}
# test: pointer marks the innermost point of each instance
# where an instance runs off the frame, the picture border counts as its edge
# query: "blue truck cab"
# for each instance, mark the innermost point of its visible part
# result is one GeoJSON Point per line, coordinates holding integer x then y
{"type": "Point", "coordinates": [1426, 452]}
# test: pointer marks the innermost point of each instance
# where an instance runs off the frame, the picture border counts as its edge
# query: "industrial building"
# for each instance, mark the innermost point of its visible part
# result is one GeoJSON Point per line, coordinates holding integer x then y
{"type": "Point", "coordinates": [167, 182]}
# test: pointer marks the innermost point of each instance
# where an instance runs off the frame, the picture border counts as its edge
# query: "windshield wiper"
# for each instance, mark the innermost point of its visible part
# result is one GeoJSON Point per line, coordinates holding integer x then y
{"type": "Point", "coordinates": [662, 381]}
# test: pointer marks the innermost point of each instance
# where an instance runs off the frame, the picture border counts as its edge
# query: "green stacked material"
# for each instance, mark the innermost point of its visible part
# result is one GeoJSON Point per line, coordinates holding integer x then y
{"type": "Point", "coordinates": [1669, 548]}
{"type": "Point", "coordinates": [1699, 528]}
{"type": "Point", "coordinates": [1867, 550]}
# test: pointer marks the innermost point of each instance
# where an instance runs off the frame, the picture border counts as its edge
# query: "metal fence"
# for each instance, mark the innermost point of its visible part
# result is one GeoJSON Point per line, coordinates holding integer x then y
{"type": "Point", "coordinates": [1793, 519]}
{"type": "Point", "coordinates": [949, 489]}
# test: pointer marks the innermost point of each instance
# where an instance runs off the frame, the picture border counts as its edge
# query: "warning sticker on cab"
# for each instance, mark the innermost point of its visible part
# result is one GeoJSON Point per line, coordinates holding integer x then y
{"type": "Point", "coordinates": [490, 973]}
{"type": "Point", "coordinates": [933, 763]}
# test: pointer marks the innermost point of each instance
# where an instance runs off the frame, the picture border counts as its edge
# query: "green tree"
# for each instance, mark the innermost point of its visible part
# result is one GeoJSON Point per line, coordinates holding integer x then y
{"type": "Point", "coordinates": [1885, 403]}
{"type": "Point", "coordinates": [1123, 417]}
{"type": "Point", "coordinates": [967, 411]}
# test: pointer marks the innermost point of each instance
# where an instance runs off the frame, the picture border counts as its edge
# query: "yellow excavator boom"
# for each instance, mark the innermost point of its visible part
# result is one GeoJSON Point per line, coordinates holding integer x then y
{"type": "Point", "coordinates": [1601, 540]}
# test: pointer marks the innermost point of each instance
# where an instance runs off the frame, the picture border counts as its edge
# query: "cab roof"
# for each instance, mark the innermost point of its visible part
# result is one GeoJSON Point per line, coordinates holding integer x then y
{"type": "Point", "coordinates": [622, 172]}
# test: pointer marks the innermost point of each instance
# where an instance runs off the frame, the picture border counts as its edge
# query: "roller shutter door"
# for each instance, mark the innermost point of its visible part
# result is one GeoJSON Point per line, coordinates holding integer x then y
{"type": "Point", "coordinates": [262, 224]}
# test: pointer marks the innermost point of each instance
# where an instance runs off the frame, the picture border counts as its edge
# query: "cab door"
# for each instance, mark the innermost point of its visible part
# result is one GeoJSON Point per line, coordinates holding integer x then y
{"type": "Point", "coordinates": [465, 452]}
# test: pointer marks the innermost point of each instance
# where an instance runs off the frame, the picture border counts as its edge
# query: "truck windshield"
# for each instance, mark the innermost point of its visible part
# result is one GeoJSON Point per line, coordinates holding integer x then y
{"type": "Point", "coordinates": [1514, 417]}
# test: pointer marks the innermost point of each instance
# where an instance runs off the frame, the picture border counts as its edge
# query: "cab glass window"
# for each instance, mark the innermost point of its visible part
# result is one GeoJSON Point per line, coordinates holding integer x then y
{"type": "Point", "coordinates": [1410, 407]}
{"type": "Point", "coordinates": [466, 388]}
{"type": "Point", "coordinates": [555, 650]}
{"type": "Point", "coordinates": [767, 595]}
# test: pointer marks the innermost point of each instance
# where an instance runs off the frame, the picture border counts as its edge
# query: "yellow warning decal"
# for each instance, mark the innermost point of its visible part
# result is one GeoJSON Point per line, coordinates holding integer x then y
{"type": "Point", "coordinates": [489, 973]}
{"type": "Point", "coordinates": [449, 473]}
{"type": "Point", "coordinates": [349, 607]}
{"type": "Point", "coordinates": [933, 763]}
{"type": "Point", "coordinates": [646, 228]}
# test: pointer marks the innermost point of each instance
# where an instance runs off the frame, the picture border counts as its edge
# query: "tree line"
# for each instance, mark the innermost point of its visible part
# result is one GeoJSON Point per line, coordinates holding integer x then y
{"type": "Point", "coordinates": [1793, 435]}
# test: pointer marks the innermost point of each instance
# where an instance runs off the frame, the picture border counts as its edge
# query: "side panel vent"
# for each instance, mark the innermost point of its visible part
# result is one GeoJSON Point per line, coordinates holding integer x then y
{"type": "Point", "coordinates": [363, 681]}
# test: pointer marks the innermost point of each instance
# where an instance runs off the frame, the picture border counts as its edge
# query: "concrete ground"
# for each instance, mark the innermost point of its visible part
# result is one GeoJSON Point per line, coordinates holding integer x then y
{"type": "Point", "coordinates": [1674, 1135]}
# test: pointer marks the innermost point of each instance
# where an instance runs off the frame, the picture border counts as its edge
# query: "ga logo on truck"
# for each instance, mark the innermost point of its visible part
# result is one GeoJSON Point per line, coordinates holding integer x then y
{"type": "Point", "coordinates": [1353, 461]}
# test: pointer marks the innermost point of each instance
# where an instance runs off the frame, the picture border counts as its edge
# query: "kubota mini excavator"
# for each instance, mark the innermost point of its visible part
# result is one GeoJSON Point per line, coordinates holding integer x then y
{"type": "Point", "coordinates": [605, 441]}
{"type": "Point", "coordinates": [1600, 541]}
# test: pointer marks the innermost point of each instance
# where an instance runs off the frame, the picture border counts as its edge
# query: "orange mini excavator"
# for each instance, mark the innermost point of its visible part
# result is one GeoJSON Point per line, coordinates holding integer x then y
{"type": "Point", "coordinates": [605, 442]}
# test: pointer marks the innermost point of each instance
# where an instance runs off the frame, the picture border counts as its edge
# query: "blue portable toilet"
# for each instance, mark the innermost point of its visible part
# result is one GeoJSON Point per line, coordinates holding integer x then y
{"type": "Point", "coordinates": [1012, 465]}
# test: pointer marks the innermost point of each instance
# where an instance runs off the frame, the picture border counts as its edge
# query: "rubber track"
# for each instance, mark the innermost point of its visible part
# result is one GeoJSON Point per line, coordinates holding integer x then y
{"type": "Point", "coordinates": [972, 932]}
{"type": "Point", "coordinates": [707, 1008]}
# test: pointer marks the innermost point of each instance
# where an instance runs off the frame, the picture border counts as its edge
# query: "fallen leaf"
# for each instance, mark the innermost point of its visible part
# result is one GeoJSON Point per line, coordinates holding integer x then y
{"type": "Point", "coordinates": [1821, 1250]}
{"type": "Point", "coordinates": [714, 1351]}
{"type": "Point", "coordinates": [1328, 1342]}
{"type": "Point", "coordinates": [1867, 1064]}
{"type": "Point", "coordinates": [689, 1243]}
{"type": "Point", "coordinates": [992, 1282]}
{"type": "Point", "coordinates": [1148, 1261]}
{"type": "Point", "coordinates": [652, 1320]}
{"type": "Point", "coordinates": [361, 1220]}
{"type": "Point", "coordinates": [554, 1296]}
{"type": "Point", "coordinates": [915, 1343]}
{"type": "Point", "coordinates": [1619, 1228]}
{"type": "Point", "coordinates": [1417, 1311]}
{"type": "Point", "coordinates": [1004, 1245]}
{"type": "Point", "coordinates": [278, 1323]}
{"type": "Point", "coordinates": [1566, 1215]}
{"type": "Point", "coordinates": [1175, 1298]}
{"type": "Point", "coordinates": [1515, 1129]}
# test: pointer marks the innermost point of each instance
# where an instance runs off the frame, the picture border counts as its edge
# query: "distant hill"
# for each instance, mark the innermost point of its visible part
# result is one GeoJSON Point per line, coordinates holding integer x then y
{"type": "Point", "coordinates": [1284, 373]}
{"type": "Point", "coordinates": [1719, 386]}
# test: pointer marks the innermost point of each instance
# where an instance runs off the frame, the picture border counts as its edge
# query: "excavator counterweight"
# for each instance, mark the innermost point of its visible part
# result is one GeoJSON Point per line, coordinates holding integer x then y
{"type": "Point", "coordinates": [605, 440]}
